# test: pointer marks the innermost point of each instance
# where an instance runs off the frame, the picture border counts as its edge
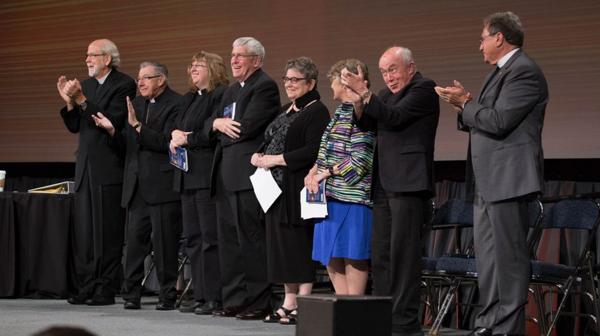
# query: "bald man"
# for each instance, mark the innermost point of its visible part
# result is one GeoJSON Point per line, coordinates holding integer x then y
{"type": "Point", "coordinates": [99, 219]}
{"type": "Point", "coordinates": [405, 116]}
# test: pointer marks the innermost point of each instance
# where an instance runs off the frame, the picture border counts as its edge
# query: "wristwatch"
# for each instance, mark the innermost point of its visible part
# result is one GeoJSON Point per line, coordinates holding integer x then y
{"type": "Point", "coordinates": [83, 105]}
{"type": "Point", "coordinates": [330, 170]}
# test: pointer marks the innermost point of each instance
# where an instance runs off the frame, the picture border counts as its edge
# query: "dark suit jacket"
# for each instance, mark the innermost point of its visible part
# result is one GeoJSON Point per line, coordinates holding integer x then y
{"type": "Point", "coordinates": [201, 147]}
{"type": "Point", "coordinates": [147, 161]}
{"type": "Point", "coordinates": [505, 123]}
{"type": "Point", "coordinates": [257, 103]}
{"type": "Point", "coordinates": [95, 156]}
{"type": "Point", "coordinates": [406, 123]}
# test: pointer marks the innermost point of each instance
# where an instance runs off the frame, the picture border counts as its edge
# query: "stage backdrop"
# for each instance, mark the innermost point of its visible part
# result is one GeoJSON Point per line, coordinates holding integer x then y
{"type": "Point", "coordinates": [43, 39]}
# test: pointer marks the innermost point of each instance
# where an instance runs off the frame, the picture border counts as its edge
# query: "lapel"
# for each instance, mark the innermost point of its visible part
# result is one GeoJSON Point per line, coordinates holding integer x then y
{"type": "Point", "coordinates": [186, 102]}
{"type": "Point", "coordinates": [497, 76]}
{"type": "Point", "coordinates": [100, 92]}
{"type": "Point", "coordinates": [243, 93]}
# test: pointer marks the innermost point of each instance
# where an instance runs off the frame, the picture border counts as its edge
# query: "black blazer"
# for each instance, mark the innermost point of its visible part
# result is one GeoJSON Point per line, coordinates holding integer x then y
{"type": "Point", "coordinates": [95, 156]}
{"type": "Point", "coordinates": [147, 161]}
{"type": "Point", "coordinates": [406, 123]}
{"type": "Point", "coordinates": [201, 147]}
{"type": "Point", "coordinates": [257, 103]}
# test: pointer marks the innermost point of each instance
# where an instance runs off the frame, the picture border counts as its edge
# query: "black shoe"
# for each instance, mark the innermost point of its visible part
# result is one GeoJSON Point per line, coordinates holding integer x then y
{"type": "Point", "coordinates": [165, 305]}
{"type": "Point", "coordinates": [100, 301]}
{"type": "Point", "coordinates": [77, 299]}
{"type": "Point", "coordinates": [257, 314]}
{"type": "Point", "coordinates": [190, 307]}
{"type": "Point", "coordinates": [228, 311]}
{"type": "Point", "coordinates": [208, 308]}
{"type": "Point", "coordinates": [481, 332]}
{"type": "Point", "coordinates": [132, 304]}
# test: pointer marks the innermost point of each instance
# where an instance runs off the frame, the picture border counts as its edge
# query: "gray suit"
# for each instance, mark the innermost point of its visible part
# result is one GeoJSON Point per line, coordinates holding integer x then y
{"type": "Point", "coordinates": [505, 166]}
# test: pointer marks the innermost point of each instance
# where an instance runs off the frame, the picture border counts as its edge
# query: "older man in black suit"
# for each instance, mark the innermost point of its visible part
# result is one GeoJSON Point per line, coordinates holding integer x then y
{"type": "Point", "coordinates": [405, 116]}
{"type": "Point", "coordinates": [98, 230]}
{"type": "Point", "coordinates": [153, 207]}
{"type": "Point", "coordinates": [505, 167]}
{"type": "Point", "coordinates": [247, 108]}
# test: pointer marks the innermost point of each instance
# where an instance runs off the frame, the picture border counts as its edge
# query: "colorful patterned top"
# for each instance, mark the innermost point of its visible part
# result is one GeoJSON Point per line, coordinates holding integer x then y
{"type": "Point", "coordinates": [345, 145]}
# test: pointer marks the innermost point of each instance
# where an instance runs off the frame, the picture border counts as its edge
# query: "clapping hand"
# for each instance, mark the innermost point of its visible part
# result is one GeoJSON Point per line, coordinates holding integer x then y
{"type": "Point", "coordinates": [131, 117]}
{"type": "Point", "coordinates": [103, 122]}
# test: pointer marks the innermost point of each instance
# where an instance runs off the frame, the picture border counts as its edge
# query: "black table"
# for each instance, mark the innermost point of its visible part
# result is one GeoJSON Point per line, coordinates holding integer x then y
{"type": "Point", "coordinates": [35, 244]}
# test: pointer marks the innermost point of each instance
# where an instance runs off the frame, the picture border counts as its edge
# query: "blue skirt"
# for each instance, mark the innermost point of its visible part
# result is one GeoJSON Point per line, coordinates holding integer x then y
{"type": "Point", "coordinates": [345, 233]}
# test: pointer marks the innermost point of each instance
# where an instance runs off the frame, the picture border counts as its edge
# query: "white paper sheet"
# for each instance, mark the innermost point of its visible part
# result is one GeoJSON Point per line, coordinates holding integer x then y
{"type": "Point", "coordinates": [311, 210]}
{"type": "Point", "coordinates": [265, 188]}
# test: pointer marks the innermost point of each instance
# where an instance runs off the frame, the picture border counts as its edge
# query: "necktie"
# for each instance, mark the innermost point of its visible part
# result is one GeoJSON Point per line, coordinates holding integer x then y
{"type": "Point", "coordinates": [489, 81]}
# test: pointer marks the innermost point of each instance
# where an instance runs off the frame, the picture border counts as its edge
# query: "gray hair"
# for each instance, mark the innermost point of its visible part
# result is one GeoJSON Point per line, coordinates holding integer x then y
{"type": "Point", "coordinates": [110, 48]}
{"type": "Point", "coordinates": [507, 23]}
{"type": "Point", "coordinates": [159, 68]}
{"type": "Point", "coordinates": [254, 46]}
{"type": "Point", "coordinates": [405, 55]}
{"type": "Point", "coordinates": [305, 66]}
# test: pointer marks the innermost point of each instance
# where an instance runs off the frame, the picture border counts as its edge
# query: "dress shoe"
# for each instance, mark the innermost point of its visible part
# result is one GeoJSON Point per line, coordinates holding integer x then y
{"type": "Point", "coordinates": [208, 308]}
{"type": "Point", "coordinates": [481, 332]}
{"type": "Point", "coordinates": [132, 304]}
{"type": "Point", "coordinates": [77, 299]}
{"type": "Point", "coordinates": [190, 307]}
{"type": "Point", "coordinates": [257, 314]}
{"type": "Point", "coordinates": [100, 301]}
{"type": "Point", "coordinates": [228, 311]}
{"type": "Point", "coordinates": [165, 305]}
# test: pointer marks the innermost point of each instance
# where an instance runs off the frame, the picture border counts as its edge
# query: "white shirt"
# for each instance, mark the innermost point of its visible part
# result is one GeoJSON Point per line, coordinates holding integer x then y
{"type": "Point", "coordinates": [103, 78]}
{"type": "Point", "coordinates": [506, 57]}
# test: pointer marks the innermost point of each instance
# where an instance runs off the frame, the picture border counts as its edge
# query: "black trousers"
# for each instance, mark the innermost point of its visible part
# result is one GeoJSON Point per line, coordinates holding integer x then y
{"type": "Point", "coordinates": [396, 250]}
{"type": "Point", "coordinates": [202, 245]}
{"type": "Point", "coordinates": [97, 239]}
{"type": "Point", "coordinates": [500, 232]}
{"type": "Point", "coordinates": [241, 231]}
{"type": "Point", "coordinates": [158, 227]}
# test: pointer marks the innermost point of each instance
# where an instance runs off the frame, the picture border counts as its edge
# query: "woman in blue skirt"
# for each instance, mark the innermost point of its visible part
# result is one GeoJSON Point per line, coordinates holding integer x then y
{"type": "Point", "coordinates": [342, 240]}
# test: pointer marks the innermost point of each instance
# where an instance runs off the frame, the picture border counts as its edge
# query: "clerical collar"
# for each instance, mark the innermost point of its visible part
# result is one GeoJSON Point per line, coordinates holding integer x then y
{"type": "Point", "coordinates": [242, 84]}
{"type": "Point", "coordinates": [506, 57]}
{"type": "Point", "coordinates": [102, 79]}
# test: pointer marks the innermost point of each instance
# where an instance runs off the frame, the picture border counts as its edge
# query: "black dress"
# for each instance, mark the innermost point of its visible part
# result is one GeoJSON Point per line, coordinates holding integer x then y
{"type": "Point", "coordinates": [289, 237]}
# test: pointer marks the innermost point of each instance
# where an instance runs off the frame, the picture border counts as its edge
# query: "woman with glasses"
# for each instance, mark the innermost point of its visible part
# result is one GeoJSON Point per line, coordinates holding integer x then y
{"type": "Point", "coordinates": [207, 80]}
{"type": "Point", "coordinates": [289, 150]}
{"type": "Point", "coordinates": [342, 239]}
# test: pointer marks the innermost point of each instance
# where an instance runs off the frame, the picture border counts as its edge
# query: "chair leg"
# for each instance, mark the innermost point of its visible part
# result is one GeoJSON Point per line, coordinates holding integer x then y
{"type": "Point", "coordinates": [566, 291]}
{"type": "Point", "coordinates": [449, 297]}
{"type": "Point", "coordinates": [185, 290]}
{"type": "Point", "coordinates": [147, 275]}
{"type": "Point", "coordinates": [539, 300]}
{"type": "Point", "coordinates": [594, 295]}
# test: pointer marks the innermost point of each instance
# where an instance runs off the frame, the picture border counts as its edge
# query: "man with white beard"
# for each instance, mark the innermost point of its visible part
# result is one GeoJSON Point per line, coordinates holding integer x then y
{"type": "Point", "coordinates": [99, 219]}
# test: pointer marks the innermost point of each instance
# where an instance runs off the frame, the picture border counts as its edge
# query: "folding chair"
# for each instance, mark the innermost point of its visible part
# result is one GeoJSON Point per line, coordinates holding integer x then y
{"type": "Point", "coordinates": [462, 270]}
{"type": "Point", "coordinates": [567, 215]}
{"type": "Point", "coordinates": [451, 224]}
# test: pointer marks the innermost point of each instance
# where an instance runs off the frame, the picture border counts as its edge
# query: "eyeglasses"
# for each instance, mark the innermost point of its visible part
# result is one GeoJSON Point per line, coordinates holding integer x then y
{"type": "Point", "coordinates": [94, 55]}
{"type": "Point", "coordinates": [242, 55]}
{"type": "Point", "coordinates": [293, 80]}
{"type": "Point", "coordinates": [481, 39]}
{"type": "Point", "coordinates": [145, 78]}
{"type": "Point", "coordinates": [196, 66]}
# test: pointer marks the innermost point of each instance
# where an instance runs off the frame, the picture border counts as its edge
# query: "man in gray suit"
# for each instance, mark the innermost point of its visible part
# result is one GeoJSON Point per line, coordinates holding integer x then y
{"type": "Point", "coordinates": [504, 167]}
